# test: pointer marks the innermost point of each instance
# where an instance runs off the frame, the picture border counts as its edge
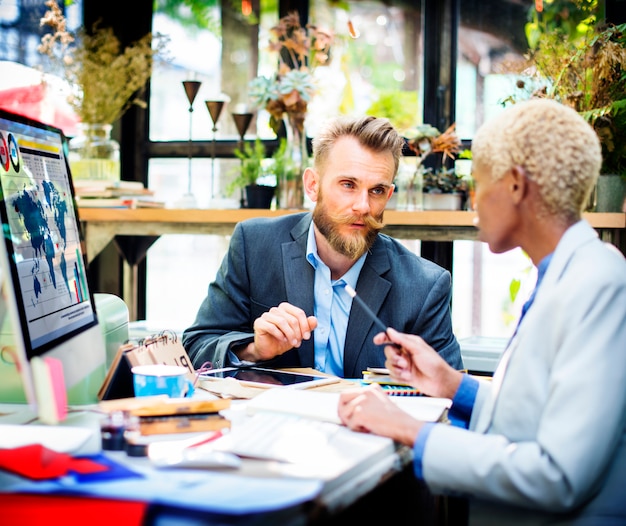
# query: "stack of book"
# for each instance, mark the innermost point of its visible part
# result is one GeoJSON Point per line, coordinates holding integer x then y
{"type": "Point", "coordinates": [181, 416]}
{"type": "Point", "coordinates": [160, 415]}
{"type": "Point", "coordinates": [118, 194]}
{"type": "Point", "coordinates": [380, 375]}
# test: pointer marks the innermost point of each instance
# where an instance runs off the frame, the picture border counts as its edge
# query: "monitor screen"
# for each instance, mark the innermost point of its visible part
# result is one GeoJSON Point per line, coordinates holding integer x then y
{"type": "Point", "coordinates": [46, 286]}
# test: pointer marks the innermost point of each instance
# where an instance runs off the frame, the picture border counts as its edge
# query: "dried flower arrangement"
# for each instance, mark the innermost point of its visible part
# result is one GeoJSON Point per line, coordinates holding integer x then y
{"type": "Point", "coordinates": [425, 140]}
{"type": "Point", "coordinates": [105, 78]}
{"type": "Point", "coordinates": [300, 50]}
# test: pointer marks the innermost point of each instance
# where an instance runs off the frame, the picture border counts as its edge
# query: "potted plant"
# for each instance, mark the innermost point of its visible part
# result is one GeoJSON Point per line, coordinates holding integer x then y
{"type": "Point", "coordinates": [579, 60]}
{"type": "Point", "coordinates": [442, 188]}
{"type": "Point", "coordinates": [253, 158]}
{"type": "Point", "coordinates": [286, 94]}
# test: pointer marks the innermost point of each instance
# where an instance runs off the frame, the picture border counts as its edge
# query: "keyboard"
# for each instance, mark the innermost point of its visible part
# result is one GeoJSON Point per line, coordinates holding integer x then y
{"type": "Point", "coordinates": [277, 436]}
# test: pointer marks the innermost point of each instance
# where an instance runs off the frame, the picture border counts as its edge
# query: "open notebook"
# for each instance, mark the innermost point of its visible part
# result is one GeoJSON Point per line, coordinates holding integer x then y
{"type": "Point", "coordinates": [323, 405]}
{"type": "Point", "coordinates": [302, 429]}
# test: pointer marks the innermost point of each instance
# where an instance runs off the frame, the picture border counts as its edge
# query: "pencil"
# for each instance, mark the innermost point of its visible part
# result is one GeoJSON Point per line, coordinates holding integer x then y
{"type": "Point", "coordinates": [364, 306]}
{"type": "Point", "coordinates": [377, 321]}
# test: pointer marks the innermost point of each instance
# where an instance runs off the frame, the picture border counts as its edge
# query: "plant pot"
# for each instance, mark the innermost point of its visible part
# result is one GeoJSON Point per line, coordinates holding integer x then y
{"type": "Point", "coordinates": [259, 196]}
{"type": "Point", "coordinates": [610, 193]}
{"type": "Point", "coordinates": [442, 201]}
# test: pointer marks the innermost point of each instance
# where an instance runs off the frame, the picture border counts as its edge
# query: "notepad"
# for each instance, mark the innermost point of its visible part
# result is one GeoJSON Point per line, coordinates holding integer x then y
{"type": "Point", "coordinates": [323, 406]}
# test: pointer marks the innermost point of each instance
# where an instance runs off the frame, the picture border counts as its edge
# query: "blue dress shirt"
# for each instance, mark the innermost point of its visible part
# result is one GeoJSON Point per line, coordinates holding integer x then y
{"type": "Point", "coordinates": [332, 309]}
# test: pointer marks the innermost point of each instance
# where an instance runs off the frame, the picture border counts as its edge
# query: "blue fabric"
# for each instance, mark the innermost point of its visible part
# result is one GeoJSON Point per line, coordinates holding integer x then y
{"type": "Point", "coordinates": [418, 449]}
{"type": "Point", "coordinates": [459, 415]}
{"type": "Point", "coordinates": [195, 489]}
{"type": "Point", "coordinates": [116, 471]}
{"type": "Point", "coordinates": [463, 402]}
{"type": "Point", "coordinates": [541, 272]}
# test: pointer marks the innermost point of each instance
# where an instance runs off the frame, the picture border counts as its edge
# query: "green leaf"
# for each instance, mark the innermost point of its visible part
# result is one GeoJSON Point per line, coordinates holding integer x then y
{"type": "Point", "coordinates": [514, 287]}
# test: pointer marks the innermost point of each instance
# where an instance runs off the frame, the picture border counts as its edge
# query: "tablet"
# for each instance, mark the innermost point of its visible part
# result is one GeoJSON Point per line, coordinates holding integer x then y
{"type": "Point", "coordinates": [260, 377]}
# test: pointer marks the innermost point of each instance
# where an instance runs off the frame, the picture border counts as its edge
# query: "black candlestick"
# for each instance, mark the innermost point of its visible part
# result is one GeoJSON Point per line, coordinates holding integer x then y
{"type": "Point", "coordinates": [191, 90]}
{"type": "Point", "coordinates": [215, 109]}
{"type": "Point", "coordinates": [242, 121]}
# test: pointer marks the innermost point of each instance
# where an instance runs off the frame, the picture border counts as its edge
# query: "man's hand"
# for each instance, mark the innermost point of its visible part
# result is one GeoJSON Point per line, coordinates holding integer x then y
{"type": "Point", "coordinates": [278, 330]}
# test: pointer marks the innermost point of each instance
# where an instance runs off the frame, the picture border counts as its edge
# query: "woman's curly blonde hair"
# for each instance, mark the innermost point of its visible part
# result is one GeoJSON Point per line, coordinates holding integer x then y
{"type": "Point", "coordinates": [555, 146]}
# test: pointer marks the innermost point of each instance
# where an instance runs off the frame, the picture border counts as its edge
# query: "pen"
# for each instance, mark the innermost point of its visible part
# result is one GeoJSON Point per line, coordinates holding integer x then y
{"type": "Point", "coordinates": [377, 321]}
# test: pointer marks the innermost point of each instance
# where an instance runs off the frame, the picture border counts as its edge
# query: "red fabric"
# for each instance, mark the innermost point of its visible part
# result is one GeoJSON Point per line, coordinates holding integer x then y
{"type": "Point", "coordinates": [37, 462]}
{"type": "Point", "coordinates": [35, 510]}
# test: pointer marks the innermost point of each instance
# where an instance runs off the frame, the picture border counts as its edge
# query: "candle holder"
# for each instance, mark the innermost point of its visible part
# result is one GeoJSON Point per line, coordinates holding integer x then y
{"type": "Point", "coordinates": [242, 122]}
{"type": "Point", "coordinates": [215, 109]}
{"type": "Point", "coordinates": [191, 90]}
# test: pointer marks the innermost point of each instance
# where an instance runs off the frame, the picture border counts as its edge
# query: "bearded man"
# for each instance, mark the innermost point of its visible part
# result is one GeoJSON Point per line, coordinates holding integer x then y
{"type": "Point", "coordinates": [279, 297]}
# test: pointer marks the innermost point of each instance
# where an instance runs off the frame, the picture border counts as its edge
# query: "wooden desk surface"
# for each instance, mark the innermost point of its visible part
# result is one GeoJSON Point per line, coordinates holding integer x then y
{"type": "Point", "coordinates": [232, 216]}
{"type": "Point", "coordinates": [103, 224]}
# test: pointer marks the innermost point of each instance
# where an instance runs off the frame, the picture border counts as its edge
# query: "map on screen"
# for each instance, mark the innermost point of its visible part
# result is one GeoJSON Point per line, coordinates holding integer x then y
{"type": "Point", "coordinates": [44, 237]}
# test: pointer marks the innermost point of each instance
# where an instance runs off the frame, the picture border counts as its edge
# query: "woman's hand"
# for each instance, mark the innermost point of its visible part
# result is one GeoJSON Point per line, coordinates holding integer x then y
{"type": "Point", "coordinates": [370, 410]}
{"type": "Point", "coordinates": [417, 364]}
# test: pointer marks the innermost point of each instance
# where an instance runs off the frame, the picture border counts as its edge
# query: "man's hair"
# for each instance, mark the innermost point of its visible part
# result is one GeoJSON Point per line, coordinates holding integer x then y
{"type": "Point", "coordinates": [375, 134]}
{"type": "Point", "coordinates": [555, 146]}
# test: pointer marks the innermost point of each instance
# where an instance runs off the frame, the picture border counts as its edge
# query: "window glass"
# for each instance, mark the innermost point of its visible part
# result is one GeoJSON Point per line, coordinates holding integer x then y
{"type": "Point", "coordinates": [491, 44]}
{"type": "Point", "coordinates": [365, 75]}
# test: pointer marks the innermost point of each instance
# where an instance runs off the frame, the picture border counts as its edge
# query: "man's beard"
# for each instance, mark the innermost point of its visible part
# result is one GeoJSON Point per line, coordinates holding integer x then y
{"type": "Point", "coordinates": [352, 246]}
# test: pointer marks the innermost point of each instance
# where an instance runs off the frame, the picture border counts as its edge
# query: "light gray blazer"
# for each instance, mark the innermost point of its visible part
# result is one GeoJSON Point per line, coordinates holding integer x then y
{"type": "Point", "coordinates": [548, 434]}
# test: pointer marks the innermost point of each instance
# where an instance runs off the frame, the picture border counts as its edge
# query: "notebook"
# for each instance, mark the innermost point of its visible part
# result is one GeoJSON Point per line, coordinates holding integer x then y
{"type": "Point", "coordinates": [323, 405]}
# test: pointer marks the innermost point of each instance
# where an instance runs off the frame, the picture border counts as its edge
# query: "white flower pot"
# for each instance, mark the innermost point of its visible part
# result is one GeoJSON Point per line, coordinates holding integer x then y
{"type": "Point", "coordinates": [442, 201]}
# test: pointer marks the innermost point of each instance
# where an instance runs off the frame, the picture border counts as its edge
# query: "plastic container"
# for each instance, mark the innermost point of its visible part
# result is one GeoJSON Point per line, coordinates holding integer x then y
{"type": "Point", "coordinates": [113, 317]}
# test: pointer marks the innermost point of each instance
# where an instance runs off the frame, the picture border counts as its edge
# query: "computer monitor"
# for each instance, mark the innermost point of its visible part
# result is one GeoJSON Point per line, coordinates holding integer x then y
{"type": "Point", "coordinates": [50, 308]}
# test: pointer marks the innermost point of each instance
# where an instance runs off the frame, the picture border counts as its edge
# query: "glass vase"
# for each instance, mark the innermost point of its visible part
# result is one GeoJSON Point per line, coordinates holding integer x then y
{"type": "Point", "coordinates": [409, 185]}
{"type": "Point", "coordinates": [93, 154]}
{"type": "Point", "coordinates": [290, 189]}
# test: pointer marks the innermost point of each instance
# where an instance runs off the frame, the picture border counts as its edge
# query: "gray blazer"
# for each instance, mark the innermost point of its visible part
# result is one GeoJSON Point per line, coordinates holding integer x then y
{"type": "Point", "coordinates": [266, 264]}
{"type": "Point", "coordinates": [552, 424]}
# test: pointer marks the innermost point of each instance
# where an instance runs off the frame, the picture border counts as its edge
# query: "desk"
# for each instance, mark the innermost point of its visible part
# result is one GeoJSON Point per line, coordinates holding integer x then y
{"type": "Point", "coordinates": [223, 497]}
{"type": "Point", "coordinates": [101, 225]}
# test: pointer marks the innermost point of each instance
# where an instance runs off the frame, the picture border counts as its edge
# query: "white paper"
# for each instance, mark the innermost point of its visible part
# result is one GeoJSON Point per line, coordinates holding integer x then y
{"type": "Point", "coordinates": [323, 406]}
{"type": "Point", "coordinates": [63, 439]}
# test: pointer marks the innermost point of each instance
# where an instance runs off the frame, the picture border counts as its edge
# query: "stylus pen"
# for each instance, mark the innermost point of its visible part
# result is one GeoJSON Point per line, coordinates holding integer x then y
{"type": "Point", "coordinates": [370, 312]}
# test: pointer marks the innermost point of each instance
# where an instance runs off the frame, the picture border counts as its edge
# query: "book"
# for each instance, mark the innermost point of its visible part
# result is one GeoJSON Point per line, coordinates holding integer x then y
{"type": "Point", "coordinates": [188, 423]}
{"type": "Point", "coordinates": [96, 188]}
{"type": "Point", "coordinates": [119, 202]}
{"type": "Point", "coordinates": [162, 405]}
{"type": "Point", "coordinates": [381, 376]}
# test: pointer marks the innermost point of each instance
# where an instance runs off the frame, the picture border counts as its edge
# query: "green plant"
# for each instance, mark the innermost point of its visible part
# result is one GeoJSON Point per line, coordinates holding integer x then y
{"type": "Point", "coordinates": [424, 140]}
{"type": "Point", "coordinates": [254, 159]}
{"type": "Point", "coordinates": [399, 106]}
{"type": "Point", "coordinates": [443, 181]}
{"type": "Point", "coordinates": [581, 62]}
{"type": "Point", "coordinates": [251, 168]}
